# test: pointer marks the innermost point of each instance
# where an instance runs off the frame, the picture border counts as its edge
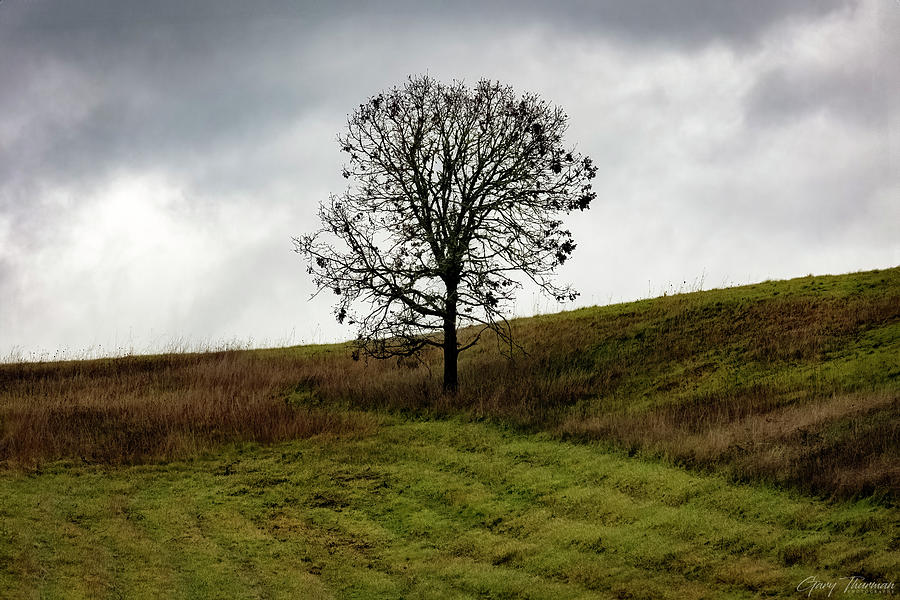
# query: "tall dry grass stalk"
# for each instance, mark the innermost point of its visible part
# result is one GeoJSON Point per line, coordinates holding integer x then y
{"type": "Point", "coordinates": [135, 409]}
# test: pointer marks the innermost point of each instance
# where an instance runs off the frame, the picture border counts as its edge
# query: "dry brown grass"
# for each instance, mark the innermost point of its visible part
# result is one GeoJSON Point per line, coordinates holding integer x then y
{"type": "Point", "coordinates": [844, 445]}
{"type": "Point", "coordinates": [135, 409]}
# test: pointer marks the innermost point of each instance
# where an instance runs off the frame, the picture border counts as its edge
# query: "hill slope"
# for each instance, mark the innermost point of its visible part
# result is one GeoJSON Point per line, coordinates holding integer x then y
{"type": "Point", "coordinates": [396, 490]}
{"type": "Point", "coordinates": [426, 509]}
{"type": "Point", "coordinates": [793, 382]}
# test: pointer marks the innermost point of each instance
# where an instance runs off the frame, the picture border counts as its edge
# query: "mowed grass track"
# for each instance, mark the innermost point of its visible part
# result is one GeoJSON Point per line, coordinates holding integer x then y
{"type": "Point", "coordinates": [424, 509]}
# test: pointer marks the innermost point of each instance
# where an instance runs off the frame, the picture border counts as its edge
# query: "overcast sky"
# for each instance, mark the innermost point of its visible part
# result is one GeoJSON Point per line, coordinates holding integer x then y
{"type": "Point", "coordinates": [157, 157]}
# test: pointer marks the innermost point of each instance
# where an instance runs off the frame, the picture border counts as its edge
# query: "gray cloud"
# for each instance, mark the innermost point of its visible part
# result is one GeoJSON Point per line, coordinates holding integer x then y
{"type": "Point", "coordinates": [169, 150]}
{"type": "Point", "coordinates": [135, 84]}
{"type": "Point", "coordinates": [853, 79]}
{"type": "Point", "coordinates": [783, 94]}
{"type": "Point", "coordinates": [689, 21]}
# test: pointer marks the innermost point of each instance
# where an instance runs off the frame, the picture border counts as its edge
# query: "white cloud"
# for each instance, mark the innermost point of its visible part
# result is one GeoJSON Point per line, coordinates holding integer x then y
{"type": "Point", "coordinates": [152, 177]}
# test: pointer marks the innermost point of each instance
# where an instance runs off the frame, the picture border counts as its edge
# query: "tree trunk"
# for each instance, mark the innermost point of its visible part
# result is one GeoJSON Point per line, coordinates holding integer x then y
{"type": "Point", "coordinates": [451, 350]}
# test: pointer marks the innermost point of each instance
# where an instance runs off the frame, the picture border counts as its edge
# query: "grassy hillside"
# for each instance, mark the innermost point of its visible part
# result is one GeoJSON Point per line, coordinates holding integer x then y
{"type": "Point", "coordinates": [792, 382]}
{"type": "Point", "coordinates": [721, 444]}
{"type": "Point", "coordinates": [425, 509]}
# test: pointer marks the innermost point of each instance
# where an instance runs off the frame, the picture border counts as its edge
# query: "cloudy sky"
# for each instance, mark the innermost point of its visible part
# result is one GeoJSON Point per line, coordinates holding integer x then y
{"type": "Point", "coordinates": [157, 157]}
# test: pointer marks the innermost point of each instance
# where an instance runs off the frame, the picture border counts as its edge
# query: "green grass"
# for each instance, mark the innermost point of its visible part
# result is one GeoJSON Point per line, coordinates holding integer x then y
{"type": "Point", "coordinates": [424, 509]}
{"type": "Point", "coordinates": [718, 444]}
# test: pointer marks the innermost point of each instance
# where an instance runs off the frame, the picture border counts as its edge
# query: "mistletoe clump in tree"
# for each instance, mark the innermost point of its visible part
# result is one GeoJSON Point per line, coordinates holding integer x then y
{"type": "Point", "coordinates": [455, 193]}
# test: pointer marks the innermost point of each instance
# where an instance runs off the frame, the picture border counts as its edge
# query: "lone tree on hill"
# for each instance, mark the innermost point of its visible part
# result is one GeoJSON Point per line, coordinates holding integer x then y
{"type": "Point", "coordinates": [454, 191]}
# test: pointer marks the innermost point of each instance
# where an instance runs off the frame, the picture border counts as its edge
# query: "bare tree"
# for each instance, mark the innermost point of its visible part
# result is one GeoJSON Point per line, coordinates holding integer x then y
{"type": "Point", "coordinates": [455, 193]}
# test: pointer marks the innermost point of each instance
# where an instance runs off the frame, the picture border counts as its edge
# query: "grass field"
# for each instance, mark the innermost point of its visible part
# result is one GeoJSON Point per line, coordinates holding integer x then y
{"type": "Point", "coordinates": [424, 509]}
{"type": "Point", "coordinates": [728, 443]}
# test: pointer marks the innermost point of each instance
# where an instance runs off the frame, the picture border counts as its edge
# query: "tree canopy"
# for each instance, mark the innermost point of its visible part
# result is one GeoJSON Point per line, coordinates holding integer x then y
{"type": "Point", "coordinates": [454, 199]}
